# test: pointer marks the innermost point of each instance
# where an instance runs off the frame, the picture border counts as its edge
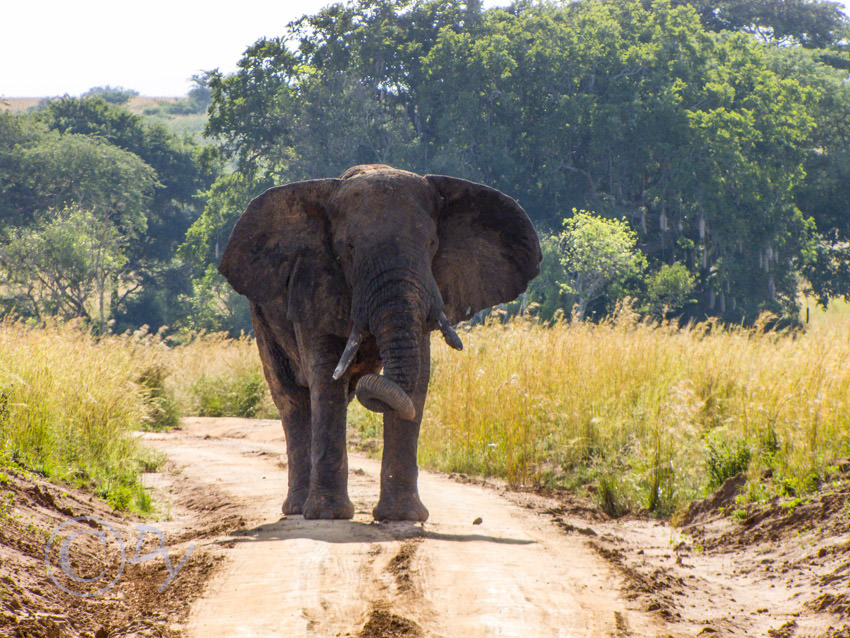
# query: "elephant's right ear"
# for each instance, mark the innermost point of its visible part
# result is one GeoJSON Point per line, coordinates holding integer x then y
{"type": "Point", "coordinates": [274, 230]}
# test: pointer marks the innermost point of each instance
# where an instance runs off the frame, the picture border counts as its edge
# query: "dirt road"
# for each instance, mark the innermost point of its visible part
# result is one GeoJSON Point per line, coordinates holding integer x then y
{"type": "Point", "coordinates": [533, 565]}
{"type": "Point", "coordinates": [481, 566]}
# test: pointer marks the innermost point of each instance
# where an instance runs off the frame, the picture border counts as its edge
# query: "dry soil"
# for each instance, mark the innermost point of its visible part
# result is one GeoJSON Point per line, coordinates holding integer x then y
{"type": "Point", "coordinates": [489, 562]}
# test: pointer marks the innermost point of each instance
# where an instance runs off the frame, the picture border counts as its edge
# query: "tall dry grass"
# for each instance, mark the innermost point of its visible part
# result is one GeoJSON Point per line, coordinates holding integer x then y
{"type": "Point", "coordinates": [213, 375]}
{"type": "Point", "coordinates": [68, 404]}
{"type": "Point", "coordinates": [652, 415]}
{"type": "Point", "coordinates": [69, 401]}
{"type": "Point", "coordinates": [643, 415]}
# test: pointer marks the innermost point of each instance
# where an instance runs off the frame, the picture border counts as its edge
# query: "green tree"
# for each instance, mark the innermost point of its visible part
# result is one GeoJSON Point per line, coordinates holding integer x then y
{"type": "Point", "coordinates": [669, 289]}
{"type": "Point", "coordinates": [546, 290]}
{"type": "Point", "coordinates": [597, 254]}
{"type": "Point", "coordinates": [809, 23]}
{"type": "Point", "coordinates": [112, 94]}
{"type": "Point", "coordinates": [67, 267]}
{"type": "Point", "coordinates": [44, 170]}
{"type": "Point", "coordinates": [87, 154]}
{"type": "Point", "coordinates": [703, 140]}
{"type": "Point", "coordinates": [183, 170]}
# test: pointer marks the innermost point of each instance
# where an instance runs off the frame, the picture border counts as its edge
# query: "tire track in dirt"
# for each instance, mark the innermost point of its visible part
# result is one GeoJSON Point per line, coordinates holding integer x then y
{"type": "Point", "coordinates": [512, 574]}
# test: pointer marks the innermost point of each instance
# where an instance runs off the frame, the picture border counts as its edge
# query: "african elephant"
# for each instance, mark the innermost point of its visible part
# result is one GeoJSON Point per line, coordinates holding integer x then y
{"type": "Point", "coordinates": [347, 275]}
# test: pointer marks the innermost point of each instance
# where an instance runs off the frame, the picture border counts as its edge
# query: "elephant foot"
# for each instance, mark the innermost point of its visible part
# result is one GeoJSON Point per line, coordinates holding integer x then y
{"type": "Point", "coordinates": [403, 508]}
{"type": "Point", "coordinates": [328, 506]}
{"type": "Point", "coordinates": [294, 503]}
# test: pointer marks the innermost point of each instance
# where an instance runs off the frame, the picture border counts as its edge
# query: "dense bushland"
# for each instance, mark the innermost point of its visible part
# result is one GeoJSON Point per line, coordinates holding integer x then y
{"type": "Point", "coordinates": [717, 130]}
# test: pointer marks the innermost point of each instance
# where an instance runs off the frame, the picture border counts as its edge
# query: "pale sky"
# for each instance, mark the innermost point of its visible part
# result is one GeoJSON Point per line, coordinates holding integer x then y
{"type": "Point", "coordinates": [54, 47]}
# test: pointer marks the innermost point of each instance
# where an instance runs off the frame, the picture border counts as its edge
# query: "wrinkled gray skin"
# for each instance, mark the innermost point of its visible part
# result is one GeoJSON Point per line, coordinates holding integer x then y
{"type": "Point", "coordinates": [346, 276]}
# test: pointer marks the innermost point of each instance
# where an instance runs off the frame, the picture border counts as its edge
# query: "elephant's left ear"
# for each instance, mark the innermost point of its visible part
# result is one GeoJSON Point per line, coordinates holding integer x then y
{"type": "Point", "coordinates": [489, 250]}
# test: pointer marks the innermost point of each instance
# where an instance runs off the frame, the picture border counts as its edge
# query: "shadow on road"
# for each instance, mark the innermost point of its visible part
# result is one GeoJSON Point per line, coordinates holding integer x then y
{"type": "Point", "coordinates": [293, 527]}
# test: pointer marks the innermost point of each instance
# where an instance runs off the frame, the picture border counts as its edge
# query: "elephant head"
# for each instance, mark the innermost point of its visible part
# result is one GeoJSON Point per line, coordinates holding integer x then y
{"type": "Point", "coordinates": [386, 253]}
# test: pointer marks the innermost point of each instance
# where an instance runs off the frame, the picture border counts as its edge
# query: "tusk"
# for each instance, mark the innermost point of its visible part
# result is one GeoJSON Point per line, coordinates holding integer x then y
{"type": "Point", "coordinates": [449, 333]}
{"type": "Point", "coordinates": [347, 357]}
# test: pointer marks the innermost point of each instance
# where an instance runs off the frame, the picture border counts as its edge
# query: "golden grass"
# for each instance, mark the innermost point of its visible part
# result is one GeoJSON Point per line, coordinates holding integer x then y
{"type": "Point", "coordinates": [213, 375]}
{"type": "Point", "coordinates": [647, 416]}
{"type": "Point", "coordinates": [69, 401]}
{"type": "Point", "coordinates": [67, 404]}
{"type": "Point", "coordinates": [650, 407]}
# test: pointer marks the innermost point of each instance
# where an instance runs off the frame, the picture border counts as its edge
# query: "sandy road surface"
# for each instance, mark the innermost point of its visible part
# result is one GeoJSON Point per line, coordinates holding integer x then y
{"type": "Point", "coordinates": [513, 574]}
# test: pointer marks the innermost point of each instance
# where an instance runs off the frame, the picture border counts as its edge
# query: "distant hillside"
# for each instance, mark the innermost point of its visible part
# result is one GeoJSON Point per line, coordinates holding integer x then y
{"type": "Point", "coordinates": [18, 103]}
{"type": "Point", "coordinates": [156, 108]}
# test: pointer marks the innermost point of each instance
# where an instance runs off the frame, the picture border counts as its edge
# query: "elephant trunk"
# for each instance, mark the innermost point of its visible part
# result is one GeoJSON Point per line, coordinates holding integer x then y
{"type": "Point", "coordinates": [394, 305]}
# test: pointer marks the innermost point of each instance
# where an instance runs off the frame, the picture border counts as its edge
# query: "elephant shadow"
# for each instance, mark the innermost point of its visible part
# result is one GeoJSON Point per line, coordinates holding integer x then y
{"type": "Point", "coordinates": [348, 531]}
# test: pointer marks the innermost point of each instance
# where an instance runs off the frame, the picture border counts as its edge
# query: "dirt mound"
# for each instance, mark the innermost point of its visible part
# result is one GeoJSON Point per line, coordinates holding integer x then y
{"type": "Point", "coordinates": [384, 624]}
{"type": "Point", "coordinates": [72, 567]}
{"type": "Point", "coordinates": [712, 507]}
{"type": "Point", "coordinates": [490, 561]}
{"type": "Point", "coordinates": [779, 569]}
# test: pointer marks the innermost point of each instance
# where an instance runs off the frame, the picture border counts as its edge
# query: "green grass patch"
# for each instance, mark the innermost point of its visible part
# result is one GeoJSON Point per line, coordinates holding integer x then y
{"type": "Point", "coordinates": [68, 404]}
{"type": "Point", "coordinates": [239, 395]}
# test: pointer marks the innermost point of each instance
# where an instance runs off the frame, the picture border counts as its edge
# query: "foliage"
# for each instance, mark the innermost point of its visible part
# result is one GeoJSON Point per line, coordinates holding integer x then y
{"type": "Point", "coordinates": [596, 254]}
{"type": "Point", "coordinates": [112, 94]}
{"type": "Point", "coordinates": [44, 170]}
{"type": "Point", "coordinates": [660, 413]}
{"type": "Point", "coordinates": [545, 294]}
{"type": "Point", "coordinates": [136, 186]}
{"type": "Point", "coordinates": [701, 136]}
{"type": "Point", "coordinates": [645, 414]}
{"type": "Point", "coordinates": [230, 395]}
{"type": "Point", "coordinates": [669, 289]}
{"type": "Point", "coordinates": [68, 267]}
{"type": "Point", "coordinates": [67, 405]}
{"type": "Point", "coordinates": [828, 273]}
{"type": "Point", "coordinates": [162, 410]}
{"type": "Point", "coordinates": [211, 374]}
{"type": "Point", "coordinates": [181, 169]}
{"type": "Point", "coordinates": [784, 22]}
{"type": "Point", "coordinates": [716, 128]}
{"type": "Point", "coordinates": [724, 460]}
{"type": "Point", "coordinates": [195, 102]}
{"type": "Point", "coordinates": [215, 307]}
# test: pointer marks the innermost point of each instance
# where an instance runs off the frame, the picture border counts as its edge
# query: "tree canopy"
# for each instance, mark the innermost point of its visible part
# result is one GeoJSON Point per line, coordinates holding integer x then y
{"type": "Point", "coordinates": [94, 202]}
{"type": "Point", "coordinates": [715, 129]}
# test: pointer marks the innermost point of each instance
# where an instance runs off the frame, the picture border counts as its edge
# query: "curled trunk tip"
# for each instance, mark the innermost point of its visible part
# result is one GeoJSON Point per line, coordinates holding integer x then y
{"type": "Point", "coordinates": [379, 394]}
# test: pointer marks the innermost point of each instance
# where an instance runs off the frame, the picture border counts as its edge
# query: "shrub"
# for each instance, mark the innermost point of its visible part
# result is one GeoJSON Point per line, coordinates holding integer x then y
{"type": "Point", "coordinates": [231, 395]}
{"type": "Point", "coordinates": [724, 460]}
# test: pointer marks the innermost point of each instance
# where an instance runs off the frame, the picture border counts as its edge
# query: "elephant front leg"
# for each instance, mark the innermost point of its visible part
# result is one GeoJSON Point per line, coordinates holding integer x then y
{"type": "Point", "coordinates": [327, 496]}
{"type": "Point", "coordinates": [295, 416]}
{"type": "Point", "coordinates": [293, 403]}
{"type": "Point", "coordinates": [399, 500]}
